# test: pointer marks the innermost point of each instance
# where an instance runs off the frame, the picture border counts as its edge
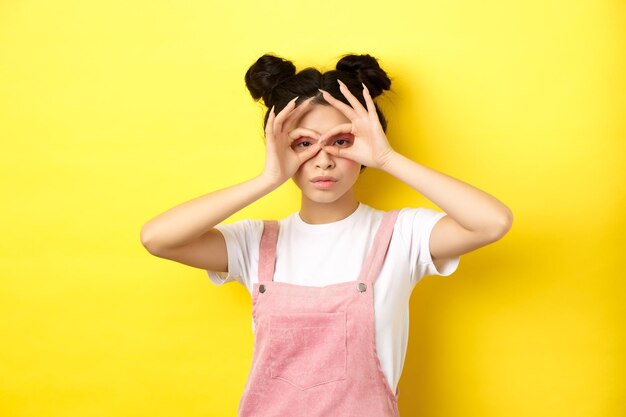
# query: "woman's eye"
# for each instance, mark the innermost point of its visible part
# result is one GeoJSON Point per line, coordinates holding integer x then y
{"type": "Point", "coordinates": [343, 142]}
{"type": "Point", "coordinates": [301, 145]}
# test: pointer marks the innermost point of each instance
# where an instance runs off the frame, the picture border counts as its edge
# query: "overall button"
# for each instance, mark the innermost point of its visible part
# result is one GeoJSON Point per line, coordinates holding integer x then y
{"type": "Point", "coordinates": [261, 288]}
{"type": "Point", "coordinates": [362, 287]}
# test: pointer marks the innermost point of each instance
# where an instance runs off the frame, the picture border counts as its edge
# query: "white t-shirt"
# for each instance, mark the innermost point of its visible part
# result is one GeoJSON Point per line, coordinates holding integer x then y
{"type": "Point", "coordinates": [324, 254]}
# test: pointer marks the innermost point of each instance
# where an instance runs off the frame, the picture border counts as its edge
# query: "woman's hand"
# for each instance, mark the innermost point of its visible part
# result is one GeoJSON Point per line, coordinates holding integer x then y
{"type": "Point", "coordinates": [371, 147]}
{"type": "Point", "coordinates": [281, 160]}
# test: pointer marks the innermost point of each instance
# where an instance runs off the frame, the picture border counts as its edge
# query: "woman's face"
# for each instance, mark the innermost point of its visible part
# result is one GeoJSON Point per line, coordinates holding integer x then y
{"type": "Point", "coordinates": [344, 172]}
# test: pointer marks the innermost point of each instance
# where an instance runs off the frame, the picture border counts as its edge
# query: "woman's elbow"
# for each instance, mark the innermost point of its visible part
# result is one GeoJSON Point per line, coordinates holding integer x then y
{"type": "Point", "coordinates": [503, 225]}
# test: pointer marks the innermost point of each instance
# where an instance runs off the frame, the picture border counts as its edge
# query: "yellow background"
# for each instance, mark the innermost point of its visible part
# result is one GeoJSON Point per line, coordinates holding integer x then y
{"type": "Point", "coordinates": [112, 112]}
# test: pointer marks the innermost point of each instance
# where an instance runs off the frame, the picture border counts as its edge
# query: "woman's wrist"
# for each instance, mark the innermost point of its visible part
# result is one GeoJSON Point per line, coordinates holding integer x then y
{"type": "Point", "coordinates": [387, 161]}
{"type": "Point", "coordinates": [267, 181]}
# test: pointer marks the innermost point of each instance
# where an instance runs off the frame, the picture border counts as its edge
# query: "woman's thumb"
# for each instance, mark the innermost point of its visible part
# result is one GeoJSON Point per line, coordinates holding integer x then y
{"type": "Point", "coordinates": [333, 151]}
{"type": "Point", "coordinates": [311, 151]}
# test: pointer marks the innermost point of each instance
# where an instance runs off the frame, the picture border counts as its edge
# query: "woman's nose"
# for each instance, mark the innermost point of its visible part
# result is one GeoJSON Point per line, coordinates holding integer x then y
{"type": "Point", "coordinates": [324, 160]}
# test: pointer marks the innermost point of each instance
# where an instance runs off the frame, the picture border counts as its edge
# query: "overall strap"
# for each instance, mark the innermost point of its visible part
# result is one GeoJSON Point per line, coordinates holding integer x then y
{"type": "Point", "coordinates": [267, 250]}
{"type": "Point", "coordinates": [376, 256]}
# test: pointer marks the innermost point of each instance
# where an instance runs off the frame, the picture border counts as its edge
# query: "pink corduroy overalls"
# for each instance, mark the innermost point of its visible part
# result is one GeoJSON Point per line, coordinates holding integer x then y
{"type": "Point", "coordinates": [315, 347]}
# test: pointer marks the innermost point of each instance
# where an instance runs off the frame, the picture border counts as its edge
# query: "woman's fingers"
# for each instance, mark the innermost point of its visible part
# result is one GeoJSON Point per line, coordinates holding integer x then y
{"type": "Point", "coordinates": [302, 131]}
{"type": "Point", "coordinates": [309, 153]}
{"type": "Point", "coordinates": [288, 116]}
{"type": "Point", "coordinates": [342, 107]}
{"type": "Point", "coordinates": [269, 125]}
{"type": "Point", "coordinates": [339, 152]}
{"type": "Point", "coordinates": [293, 116]}
{"type": "Point", "coordinates": [371, 109]}
{"type": "Point", "coordinates": [342, 128]}
{"type": "Point", "coordinates": [339, 132]}
{"type": "Point", "coordinates": [280, 118]}
{"type": "Point", "coordinates": [356, 105]}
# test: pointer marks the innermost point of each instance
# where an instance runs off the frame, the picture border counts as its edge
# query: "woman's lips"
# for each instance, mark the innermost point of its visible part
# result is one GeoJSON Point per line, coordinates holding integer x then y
{"type": "Point", "coordinates": [323, 183]}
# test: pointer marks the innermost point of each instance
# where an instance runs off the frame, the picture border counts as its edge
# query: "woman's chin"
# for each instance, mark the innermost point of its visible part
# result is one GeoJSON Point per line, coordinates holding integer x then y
{"type": "Point", "coordinates": [324, 196]}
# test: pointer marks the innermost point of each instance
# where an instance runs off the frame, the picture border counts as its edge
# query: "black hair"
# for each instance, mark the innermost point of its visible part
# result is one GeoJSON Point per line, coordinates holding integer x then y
{"type": "Point", "coordinates": [274, 79]}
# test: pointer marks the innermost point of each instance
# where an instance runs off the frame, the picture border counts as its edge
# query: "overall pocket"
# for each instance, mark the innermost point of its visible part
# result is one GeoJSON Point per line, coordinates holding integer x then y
{"type": "Point", "coordinates": [308, 349]}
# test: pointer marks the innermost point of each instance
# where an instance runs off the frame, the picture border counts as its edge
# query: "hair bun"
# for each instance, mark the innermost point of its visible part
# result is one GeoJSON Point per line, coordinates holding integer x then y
{"type": "Point", "coordinates": [367, 71]}
{"type": "Point", "coordinates": [266, 73]}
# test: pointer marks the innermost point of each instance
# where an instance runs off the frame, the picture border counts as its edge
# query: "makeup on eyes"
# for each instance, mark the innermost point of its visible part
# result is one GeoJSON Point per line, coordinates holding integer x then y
{"type": "Point", "coordinates": [295, 144]}
{"type": "Point", "coordinates": [348, 137]}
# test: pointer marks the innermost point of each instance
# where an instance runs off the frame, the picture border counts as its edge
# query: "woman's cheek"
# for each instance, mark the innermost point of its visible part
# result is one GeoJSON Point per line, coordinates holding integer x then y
{"type": "Point", "coordinates": [348, 163]}
{"type": "Point", "coordinates": [300, 176]}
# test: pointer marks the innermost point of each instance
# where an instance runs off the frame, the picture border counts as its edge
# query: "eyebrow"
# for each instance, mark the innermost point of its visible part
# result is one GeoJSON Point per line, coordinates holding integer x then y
{"type": "Point", "coordinates": [336, 134]}
{"type": "Point", "coordinates": [312, 130]}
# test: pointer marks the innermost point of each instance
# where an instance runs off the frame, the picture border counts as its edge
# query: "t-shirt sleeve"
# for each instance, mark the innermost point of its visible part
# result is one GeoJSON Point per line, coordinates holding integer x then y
{"type": "Point", "coordinates": [242, 245]}
{"type": "Point", "coordinates": [417, 225]}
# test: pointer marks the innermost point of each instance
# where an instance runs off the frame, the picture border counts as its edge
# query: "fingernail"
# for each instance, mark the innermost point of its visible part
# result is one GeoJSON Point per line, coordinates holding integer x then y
{"type": "Point", "coordinates": [339, 81]}
{"type": "Point", "coordinates": [323, 91]}
{"type": "Point", "coordinates": [364, 86]}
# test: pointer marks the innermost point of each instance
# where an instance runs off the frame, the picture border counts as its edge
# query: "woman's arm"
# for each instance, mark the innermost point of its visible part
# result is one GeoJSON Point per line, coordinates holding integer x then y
{"type": "Point", "coordinates": [472, 208]}
{"type": "Point", "coordinates": [188, 221]}
{"type": "Point", "coordinates": [474, 218]}
{"type": "Point", "coordinates": [186, 232]}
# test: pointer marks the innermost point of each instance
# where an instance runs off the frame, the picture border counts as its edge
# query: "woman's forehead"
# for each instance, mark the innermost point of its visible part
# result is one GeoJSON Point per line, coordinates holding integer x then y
{"type": "Point", "coordinates": [321, 118]}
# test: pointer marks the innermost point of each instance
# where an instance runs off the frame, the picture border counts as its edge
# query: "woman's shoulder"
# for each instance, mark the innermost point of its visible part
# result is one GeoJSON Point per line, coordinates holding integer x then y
{"type": "Point", "coordinates": [403, 212]}
{"type": "Point", "coordinates": [242, 227]}
{"type": "Point", "coordinates": [408, 220]}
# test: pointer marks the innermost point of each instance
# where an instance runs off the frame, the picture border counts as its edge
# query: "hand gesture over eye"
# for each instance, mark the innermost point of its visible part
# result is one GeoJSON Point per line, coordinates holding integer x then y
{"type": "Point", "coordinates": [370, 146]}
{"type": "Point", "coordinates": [281, 160]}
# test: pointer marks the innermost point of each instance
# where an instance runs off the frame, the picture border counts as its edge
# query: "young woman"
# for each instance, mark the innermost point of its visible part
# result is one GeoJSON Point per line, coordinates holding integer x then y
{"type": "Point", "coordinates": [330, 284]}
